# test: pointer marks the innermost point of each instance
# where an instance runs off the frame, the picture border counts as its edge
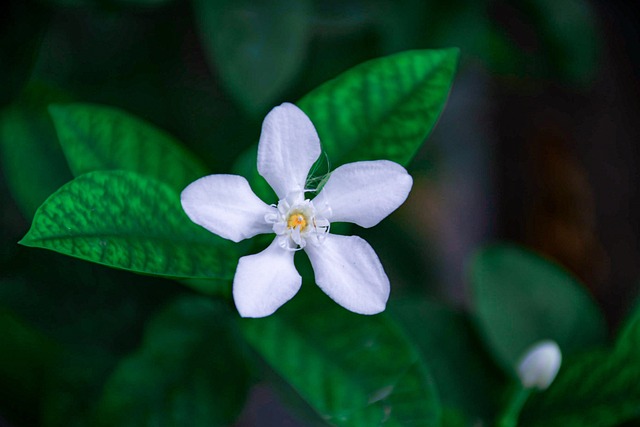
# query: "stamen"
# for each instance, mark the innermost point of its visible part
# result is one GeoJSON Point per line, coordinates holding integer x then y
{"type": "Point", "coordinates": [297, 220]}
{"type": "Point", "coordinates": [297, 223]}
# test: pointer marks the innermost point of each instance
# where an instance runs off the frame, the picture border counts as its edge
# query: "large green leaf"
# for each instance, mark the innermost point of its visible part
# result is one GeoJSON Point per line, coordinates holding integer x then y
{"type": "Point", "coordinates": [188, 371]}
{"type": "Point", "coordinates": [520, 298]}
{"type": "Point", "coordinates": [353, 370]}
{"type": "Point", "coordinates": [31, 158]}
{"type": "Point", "coordinates": [96, 137]}
{"type": "Point", "coordinates": [384, 108]}
{"type": "Point", "coordinates": [598, 389]}
{"type": "Point", "coordinates": [464, 374]}
{"type": "Point", "coordinates": [256, 47]}
{"type": "Point", "coordinates": [125, 220]}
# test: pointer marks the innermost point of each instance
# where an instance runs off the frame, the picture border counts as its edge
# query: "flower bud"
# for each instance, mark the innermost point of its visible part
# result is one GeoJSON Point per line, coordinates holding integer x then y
{"type": "Point", "coordinates": [539, 365]}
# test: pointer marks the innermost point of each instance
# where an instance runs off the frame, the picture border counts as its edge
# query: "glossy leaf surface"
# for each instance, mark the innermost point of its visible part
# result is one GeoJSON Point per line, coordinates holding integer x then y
{"type": "Point", "coordinates": [125, 220]}
{"type": "Point", "coordinates": [383, 108]}
{"type": "Point", "coordinates": [353, 370]}
{"type": "Point", "coordinates": [97, 137]}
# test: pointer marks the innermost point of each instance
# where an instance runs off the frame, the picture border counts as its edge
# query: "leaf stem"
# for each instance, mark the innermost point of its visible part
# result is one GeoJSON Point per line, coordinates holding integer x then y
{"type": "Point", "coordinates": [509, 417]}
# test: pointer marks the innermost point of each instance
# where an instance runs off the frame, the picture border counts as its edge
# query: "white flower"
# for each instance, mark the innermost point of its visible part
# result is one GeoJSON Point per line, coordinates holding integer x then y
{"type": "Point", "coordinates": [539, 365]}
{"type": "Point", "coordinates": [346, 268]}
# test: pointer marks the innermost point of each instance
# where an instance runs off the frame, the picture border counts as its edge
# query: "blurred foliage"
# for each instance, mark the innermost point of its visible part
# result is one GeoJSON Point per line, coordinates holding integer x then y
{"type": "Point", "coordinates": [190, 370]}
{"type": "Point", "coordinates": [520, 298]}
{"type": "Point", "coordinates": [599, 388]}
{"type": "Point", "coordinates": [465, 376]}
{"type": "Point", "coordinates": [354, 370]}
{"type": "Point", "coordinates": [109, 107]}
{"type": "Point", "coordinates": [27, 137]}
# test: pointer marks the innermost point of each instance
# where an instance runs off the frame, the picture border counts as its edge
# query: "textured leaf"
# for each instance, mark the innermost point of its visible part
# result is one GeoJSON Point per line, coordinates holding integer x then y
{"type": "Point", "coordinates": [598, 389]}
{"type": "Point", "coordinates": [96, 137]}
{"type": "Point", "coordinates": [188, 371]}
{"type": "Point", "coordinates": [353, 370]}
{"type": "Point", "coordinates": [384, 108]}
{"type": "Point", "coordinates": [465, 376]}
{"type": "Point", "coordinates": [125, 220]}
{"type": "Point", "coordinates": [257, 47]}
{"type": "Point", "coordinates": [520, 298]}
{"type": "Point", "coordinates": [32, 161]}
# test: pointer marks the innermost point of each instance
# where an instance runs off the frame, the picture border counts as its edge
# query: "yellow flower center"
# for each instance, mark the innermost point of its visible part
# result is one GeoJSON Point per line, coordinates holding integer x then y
{"type": "Point", "coordinates": [296, 219]}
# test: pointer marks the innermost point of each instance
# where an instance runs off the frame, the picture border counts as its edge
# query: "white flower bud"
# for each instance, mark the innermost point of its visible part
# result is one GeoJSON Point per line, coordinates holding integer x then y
{"type": "Point", "coordinates": [539, 365]}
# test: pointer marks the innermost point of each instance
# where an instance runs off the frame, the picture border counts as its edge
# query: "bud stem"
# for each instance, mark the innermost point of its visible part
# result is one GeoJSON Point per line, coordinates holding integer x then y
{"type": "Point", "coordinates": [509, 417]}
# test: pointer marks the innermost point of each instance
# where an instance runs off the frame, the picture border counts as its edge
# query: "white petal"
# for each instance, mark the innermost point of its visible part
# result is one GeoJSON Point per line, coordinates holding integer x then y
{"type": "Point", "coordinates": [265, 281]}
{"type": "Point", "coordinates": [226, 206]}
{"type": "Point", "coordinates": [289, 145]}
{"type": "Point", "coordinates": [540, 365]}
{"type": "Point", "coordinates": [364, 192]}
{"type": "Point", "coordinates": [349, 271]}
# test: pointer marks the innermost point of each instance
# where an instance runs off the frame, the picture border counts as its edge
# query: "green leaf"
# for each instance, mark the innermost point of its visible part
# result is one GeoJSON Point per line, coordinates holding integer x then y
{"type": "Point", "coordinates": [32, 161]}
{"type": "Point", "coordinates": [598, 389]}
{"type": "Point", "coordinates": [256, 47]}
{"type": "Point", "coordinates": [74, 387]}
{"type": "Point", "coordinates": [569, 33]}
{"type": "Point", "coordinates": [246, 165]}
{"type": "Point", "coordinates": [353, 370]}
{"type": "Point", "coordinates": [520, 298]}
{"type": "Point", "coordinates": [125, 220]}
{"type": "Point", "coordinates": [384, 108]}
{"type": "Point", "coordinates": [188, 371]}
{"type": "Point", "coordinates": [96, 137]}
{"type": "Point", "coordinates": [466, 378]}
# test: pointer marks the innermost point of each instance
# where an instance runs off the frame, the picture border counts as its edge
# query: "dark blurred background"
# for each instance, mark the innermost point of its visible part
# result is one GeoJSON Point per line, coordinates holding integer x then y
{"type": "Point", "coordinates": [538, 143]}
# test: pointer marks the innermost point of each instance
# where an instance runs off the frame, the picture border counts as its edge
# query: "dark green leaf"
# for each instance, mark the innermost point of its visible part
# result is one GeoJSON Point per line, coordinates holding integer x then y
{"type": "Point", "coordinates": [74, 387]}
{"type": "Point", "coordinates": [125, 220]}
{"type": "Point", "coordinates": [93, 314]}
{"type": "Point", "coordinates": [568, 30]}
{"type": "Point", "coordinates": [257, 47]}
{"type": "Point", "coordinates": [384, 108]}
{"type": "Point", "coordinates": [188, 371]}
{"type": "Point", "coordinates": [31, 157]}
{"type": "Point", "coordinates": [598, 389]}
{"type": "Point", "coordinates": [246, 165]}
{"type": "Point", "coordinates": [96, 137]}
{"type": "Point", "coordinates": [465, 376]}
{"type": "Point", "coordinates": [25, 360]}
{"type": "Point", "coordinates": [353, 370]}
{"type": "Point", "coordinates": [520, 298]}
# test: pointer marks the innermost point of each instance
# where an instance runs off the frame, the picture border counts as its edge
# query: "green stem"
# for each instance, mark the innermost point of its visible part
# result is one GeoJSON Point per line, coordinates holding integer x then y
{"type": "Point", "coordinates": [509, 417]}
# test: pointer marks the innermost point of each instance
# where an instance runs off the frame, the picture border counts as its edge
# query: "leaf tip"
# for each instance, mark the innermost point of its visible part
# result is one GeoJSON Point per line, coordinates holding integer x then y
{"type": "Point", "coordinates": [55, 110]}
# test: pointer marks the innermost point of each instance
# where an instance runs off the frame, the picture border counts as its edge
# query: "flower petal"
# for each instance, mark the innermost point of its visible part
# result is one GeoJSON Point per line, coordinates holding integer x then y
{"type": "Point", "coordinates": [349, 271]}
{"type": "Point", "coordinates": [265, 281]}
{"type": "Point", "coordinates": [364, 192]}
{"type": "Point", "coordinates": [288, 147]}
{"type": "Point", "coordinates": [226, 206]}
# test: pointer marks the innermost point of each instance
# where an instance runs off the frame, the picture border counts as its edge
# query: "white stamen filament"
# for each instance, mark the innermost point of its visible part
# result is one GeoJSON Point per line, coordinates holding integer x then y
{"type": "Point", "coordinates": [297, 222]}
